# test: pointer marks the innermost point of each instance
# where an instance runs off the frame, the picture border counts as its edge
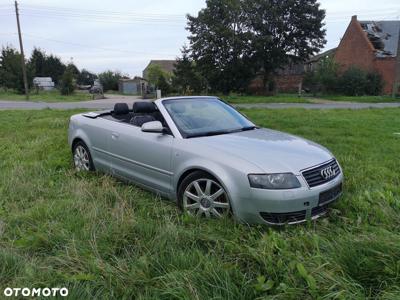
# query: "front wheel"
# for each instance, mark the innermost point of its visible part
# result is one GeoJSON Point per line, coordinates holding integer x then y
{"type": "Point", "coordinates": [82, 158]}
{"type": "Point", "coordinates": [200, 194]}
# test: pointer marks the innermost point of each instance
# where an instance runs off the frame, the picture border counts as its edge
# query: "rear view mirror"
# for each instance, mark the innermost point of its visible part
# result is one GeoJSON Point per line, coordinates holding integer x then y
{"type": "Point", "coordinates": [154, 126]}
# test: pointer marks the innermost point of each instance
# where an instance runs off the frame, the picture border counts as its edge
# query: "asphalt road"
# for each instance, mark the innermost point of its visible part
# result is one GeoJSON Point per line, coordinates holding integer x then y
{"type": "Point", "coordinates": [109, 104]}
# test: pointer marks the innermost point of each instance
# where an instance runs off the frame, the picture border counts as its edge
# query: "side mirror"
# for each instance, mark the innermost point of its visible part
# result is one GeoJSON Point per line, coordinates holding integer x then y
{"type": "Point", "coordinates": [154, 126]}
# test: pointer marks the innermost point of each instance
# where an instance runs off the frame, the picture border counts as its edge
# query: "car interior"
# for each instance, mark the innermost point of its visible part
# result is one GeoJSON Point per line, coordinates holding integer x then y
{"type": "Point", "coordinates": [141, 113]}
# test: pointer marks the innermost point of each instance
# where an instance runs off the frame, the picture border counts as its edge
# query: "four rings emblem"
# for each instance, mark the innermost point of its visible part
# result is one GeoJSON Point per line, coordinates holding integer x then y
{"type": "Point", "coordinates": [328, 173]}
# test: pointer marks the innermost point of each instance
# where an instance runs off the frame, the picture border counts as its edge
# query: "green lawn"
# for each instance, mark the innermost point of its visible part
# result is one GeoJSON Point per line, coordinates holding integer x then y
{"type": "Point", "coordinates": [280, 98]}
{"type": "Point", "coordinates": [305, 98]}
{"type": "Point", "coordinates": [104, 239]}
{"type": "Point", "coordinates": [365, 99]}
{"type": "Point", "coordinates": [45, 96]}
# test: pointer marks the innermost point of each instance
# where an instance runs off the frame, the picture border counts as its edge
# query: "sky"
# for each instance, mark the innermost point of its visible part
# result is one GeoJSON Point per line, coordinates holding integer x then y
{"type": "Point", "coordinates": [125, 35]}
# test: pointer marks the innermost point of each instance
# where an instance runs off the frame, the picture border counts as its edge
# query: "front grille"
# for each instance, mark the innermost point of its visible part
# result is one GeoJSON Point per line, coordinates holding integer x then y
{"type": "Point", "coordinates": [282, 218]}
{"type": "Point", "coordinates": [318, 210]}
{"type": "Point", "coordinates": [314, 177]}
{"type": "Point", "coordinates": [330, 195]}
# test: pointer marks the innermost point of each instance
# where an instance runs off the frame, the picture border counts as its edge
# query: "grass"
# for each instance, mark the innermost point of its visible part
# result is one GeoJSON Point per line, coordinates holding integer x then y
{"type": "Point", "coordinates": [305, 98]}
{"type": "Point", "coordinates": [279, 98]}
{"type": "Point", "coordinates": [104, 239]}
{"type": "Point", "coordinates": [45, 96]}
{"type": "Point", "coordinates": [364, 99]}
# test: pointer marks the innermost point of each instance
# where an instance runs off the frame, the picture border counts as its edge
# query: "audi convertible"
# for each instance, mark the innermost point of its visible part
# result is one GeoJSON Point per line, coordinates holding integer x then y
{"type": "Point", "coordinates": [210, 159]}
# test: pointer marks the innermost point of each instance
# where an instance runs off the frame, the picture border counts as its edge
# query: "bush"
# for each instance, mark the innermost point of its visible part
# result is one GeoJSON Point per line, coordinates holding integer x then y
{"type": "Point", "coordinates": [67, 85]}
{"type": "Point", "coordinates": [324, 79]}
{"type": "Point", "coordinates": [353, 82]}
{"type": "Point", "coordinates": [109, 80]}
{"type": "Point", "coordinates": [374, 84]}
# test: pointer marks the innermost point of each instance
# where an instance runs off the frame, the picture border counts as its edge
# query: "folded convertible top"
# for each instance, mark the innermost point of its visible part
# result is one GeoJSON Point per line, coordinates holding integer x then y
{"type": "Point", "coordinates": [94, 115]}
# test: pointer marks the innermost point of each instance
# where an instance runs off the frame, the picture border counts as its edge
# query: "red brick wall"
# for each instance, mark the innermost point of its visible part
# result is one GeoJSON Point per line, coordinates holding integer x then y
{"type": "Point", "coordinates": [387, 68]}
{"type": "Point", "coordinates": [355, 49]}
{"type": "Point", "coordinates": [288, 83]}
{"type": "Point", "coordinates": [283, 84]}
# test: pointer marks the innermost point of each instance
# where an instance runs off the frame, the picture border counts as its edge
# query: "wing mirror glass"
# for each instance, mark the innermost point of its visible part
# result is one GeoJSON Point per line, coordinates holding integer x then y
{"type": "Point", "coordinates": [154, 126]}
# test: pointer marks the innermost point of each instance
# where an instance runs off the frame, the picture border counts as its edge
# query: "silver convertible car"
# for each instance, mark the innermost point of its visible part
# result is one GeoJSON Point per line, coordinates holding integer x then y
{"type": "Point", "coordinates": [210, 158]}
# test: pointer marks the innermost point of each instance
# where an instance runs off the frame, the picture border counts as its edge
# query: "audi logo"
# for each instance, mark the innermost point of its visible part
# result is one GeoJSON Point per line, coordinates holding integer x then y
{"type": "Point", "coordinates": [328, 173]}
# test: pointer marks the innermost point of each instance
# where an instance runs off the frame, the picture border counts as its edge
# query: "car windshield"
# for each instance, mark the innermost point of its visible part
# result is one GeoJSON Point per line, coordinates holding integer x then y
{"type": "Point", "coordinates": [197, 117]}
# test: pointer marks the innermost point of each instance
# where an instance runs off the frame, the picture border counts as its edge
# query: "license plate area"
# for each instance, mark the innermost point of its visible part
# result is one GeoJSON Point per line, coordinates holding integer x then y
{"type": "Point", "coordinates": [330, 195]}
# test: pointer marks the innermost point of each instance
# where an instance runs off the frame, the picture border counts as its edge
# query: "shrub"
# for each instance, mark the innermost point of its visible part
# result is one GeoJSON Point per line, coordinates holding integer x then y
{"type": "Point", "coordinates": [67, 85]}
{"type": "Point", "coordinates": [374, 84]}
{"type": "Point", "coordinates": [353, 82]}
{"type": "Point", "coordinates": [109, 80]}
{"type": "Point", "coordinates": [324, 79]}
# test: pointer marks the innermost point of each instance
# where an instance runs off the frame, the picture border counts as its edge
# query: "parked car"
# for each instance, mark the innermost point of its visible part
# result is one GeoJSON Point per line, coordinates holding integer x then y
{"type": "Point", "coordinates": [208, 157]}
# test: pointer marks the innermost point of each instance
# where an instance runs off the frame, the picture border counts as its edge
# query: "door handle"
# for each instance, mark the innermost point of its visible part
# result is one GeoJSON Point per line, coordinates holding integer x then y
{"type": "Point", "coordinates": [114, 135]}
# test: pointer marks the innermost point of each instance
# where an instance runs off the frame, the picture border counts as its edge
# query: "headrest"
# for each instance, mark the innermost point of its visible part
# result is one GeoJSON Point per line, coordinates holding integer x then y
{"type": "Point", "coordinates": [178, 108]}
{"type": "Point", "coordinates": [121, 109]}
{"type": "Point", "coordinates": [144, 107]}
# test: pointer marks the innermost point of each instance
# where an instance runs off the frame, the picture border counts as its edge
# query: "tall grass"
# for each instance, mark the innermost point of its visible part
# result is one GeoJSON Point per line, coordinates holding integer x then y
{"type": "Point", "coordinates": [104, 239]}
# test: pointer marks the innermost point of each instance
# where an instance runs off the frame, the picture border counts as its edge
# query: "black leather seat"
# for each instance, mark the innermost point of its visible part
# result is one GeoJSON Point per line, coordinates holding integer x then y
{"type": "Point", "coordinates": [143, 112]}
{"type": "Point", "coordinates": [121, 112]}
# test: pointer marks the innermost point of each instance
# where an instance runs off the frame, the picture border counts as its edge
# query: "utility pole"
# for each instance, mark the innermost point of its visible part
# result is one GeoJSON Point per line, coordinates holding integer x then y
{"type": "Point", "coordinates": [22, 53]}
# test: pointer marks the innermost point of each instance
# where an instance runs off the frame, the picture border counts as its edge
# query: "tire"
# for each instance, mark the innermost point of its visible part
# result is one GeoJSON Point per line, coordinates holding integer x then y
{"type": "Point", "coordinates": [82, 158]}
{"type": "Point", "coordinates": [200, 194]}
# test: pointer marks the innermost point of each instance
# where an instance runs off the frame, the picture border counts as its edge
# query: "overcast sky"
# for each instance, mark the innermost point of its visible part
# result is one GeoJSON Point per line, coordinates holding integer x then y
{"type": "Point", "coordinates": [125, 34]}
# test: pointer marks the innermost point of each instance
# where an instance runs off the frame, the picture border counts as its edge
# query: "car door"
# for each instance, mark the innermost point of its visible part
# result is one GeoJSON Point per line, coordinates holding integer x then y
{"type": "Point", "coordinates": [98, 130]}
{"type": "Point", "coordinates": [142, 157]}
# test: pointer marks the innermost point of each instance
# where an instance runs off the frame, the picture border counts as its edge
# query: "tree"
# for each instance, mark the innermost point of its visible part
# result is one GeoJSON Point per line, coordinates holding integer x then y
{"type": "Point", "coordinates": [11, 70]}
{"type": "Point", "coordinates": [85, 78]}
{"type": "Point", "coordinates": [186, 79]}
{"type": "Point", "coordinates": [283, 31]}
{"type": "Point", "coordinates": [219, 45]}
{"type": "Point", "coordinates": [163, 85]}
{"type": "Point", "coordinates": [37, 63]}
{"type": "Point", "coordinates": [67, 85]}
{"type": "Point", "coordinates": [109, 79]}
{"type": "Point", "coordinates": [232, 40]}
{"type": "Point", "coordinates": [155, 72]}
{"type": "Point", "coordinates": [43, 65]}
{"type": "Point", "coordinates": [324, 78]}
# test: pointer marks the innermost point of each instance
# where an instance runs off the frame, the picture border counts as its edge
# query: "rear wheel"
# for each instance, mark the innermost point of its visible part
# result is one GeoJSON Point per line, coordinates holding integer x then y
{"type": "Point", "coordinates": [200, 194]}
{"type": "Point", "coordinates": [82, 158]}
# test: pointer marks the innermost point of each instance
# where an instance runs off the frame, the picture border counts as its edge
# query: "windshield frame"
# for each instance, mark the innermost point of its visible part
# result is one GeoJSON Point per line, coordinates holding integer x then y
{"type": "Point", "coordinates": [187, 135]}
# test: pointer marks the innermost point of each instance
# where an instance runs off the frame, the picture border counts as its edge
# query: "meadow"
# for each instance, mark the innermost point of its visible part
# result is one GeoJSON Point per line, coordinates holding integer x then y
{"type": "Point", "coordinates": [105, 239]}
{"type": "Point", "coordinates": [45, 96]}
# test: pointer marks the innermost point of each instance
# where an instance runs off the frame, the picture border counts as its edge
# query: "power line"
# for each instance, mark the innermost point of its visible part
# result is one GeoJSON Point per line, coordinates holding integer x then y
{"type": "Point", "coordinates": [102, 20]}
{"type": "Point", "coordinates": [98, 48]}
{"type": "Point", "coordinates": [102, 12]}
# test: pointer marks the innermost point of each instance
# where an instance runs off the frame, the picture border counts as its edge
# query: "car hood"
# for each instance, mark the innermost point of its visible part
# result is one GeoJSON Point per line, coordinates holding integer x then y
{"type": "Point", "coordinates": [270, 150]}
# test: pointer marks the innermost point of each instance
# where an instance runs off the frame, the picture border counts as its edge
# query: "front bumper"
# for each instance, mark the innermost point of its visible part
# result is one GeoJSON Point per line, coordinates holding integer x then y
{"type": "Point", "coordinates": [278, 207]}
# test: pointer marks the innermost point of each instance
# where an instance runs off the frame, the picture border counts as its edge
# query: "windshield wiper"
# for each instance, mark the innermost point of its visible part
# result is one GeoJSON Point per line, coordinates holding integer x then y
{"type": "Point", "coordinates": [248, 128]}
{"type": "Point", "coordinates": [208, 133]}
{"type": "Point", "coordinates": [211, 133]}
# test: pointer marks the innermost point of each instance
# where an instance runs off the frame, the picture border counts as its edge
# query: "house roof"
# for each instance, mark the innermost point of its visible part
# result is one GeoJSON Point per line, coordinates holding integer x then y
{"type": "Point", "coordinates": [384, 36]}
{"type": "Point", "coordinates": [166, 65]}
{"type": "Point", "coordinates": [324, 54]}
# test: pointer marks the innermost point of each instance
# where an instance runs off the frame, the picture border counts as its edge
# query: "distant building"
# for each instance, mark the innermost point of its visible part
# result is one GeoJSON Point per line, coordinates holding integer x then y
{"type": "Point", "coordinates": [135, 86]}
{"type": "Point", "coordinates": [43, 83]}
{"type": "Point", "coordinates": [372, 46]}
{"type": "Point", "coordinates": [313, 62]}
{"type": "Point", "coordinates": [168, 66]}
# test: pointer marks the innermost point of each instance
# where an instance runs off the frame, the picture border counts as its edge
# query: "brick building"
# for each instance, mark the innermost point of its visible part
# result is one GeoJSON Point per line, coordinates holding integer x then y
{"type": "Point", "coordinates": [372, 46]}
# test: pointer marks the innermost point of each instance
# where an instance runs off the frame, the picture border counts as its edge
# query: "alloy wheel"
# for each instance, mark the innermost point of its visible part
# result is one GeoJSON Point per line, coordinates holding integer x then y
{"type": "Point", "coordinates": [205, 197]}
{"type": "Point", "coordinates": [81, 159]}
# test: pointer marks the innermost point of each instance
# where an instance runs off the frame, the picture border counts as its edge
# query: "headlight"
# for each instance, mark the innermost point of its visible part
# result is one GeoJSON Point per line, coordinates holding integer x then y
{"type": "Point", "coordinates": [274, 181]}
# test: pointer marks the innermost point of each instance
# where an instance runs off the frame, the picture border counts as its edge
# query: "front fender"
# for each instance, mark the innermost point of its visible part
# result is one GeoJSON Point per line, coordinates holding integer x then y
{"type": "Point", "coordinates": [233, 181]}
